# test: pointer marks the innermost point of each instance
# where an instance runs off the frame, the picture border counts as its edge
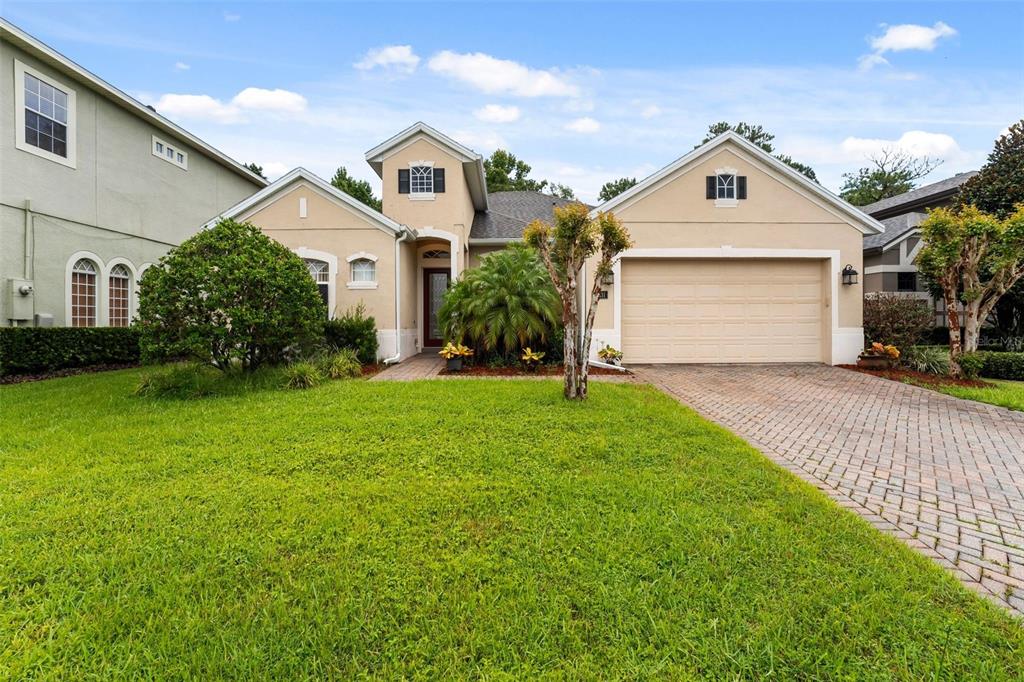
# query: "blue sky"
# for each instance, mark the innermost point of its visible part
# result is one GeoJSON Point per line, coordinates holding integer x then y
{"type": "Point", "coordinates": [583, 92]}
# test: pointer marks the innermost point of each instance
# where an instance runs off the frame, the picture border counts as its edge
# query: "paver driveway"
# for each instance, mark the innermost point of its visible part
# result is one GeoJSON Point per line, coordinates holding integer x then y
{"type": "Point", "coordinates": [945, 475]}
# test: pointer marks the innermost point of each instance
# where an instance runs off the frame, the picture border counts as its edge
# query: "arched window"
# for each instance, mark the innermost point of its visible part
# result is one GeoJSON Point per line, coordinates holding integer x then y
{"type": "Point", "coordinates": [321, 274]}
{"type": "Point", "coordinates": [364, 270]}
{"type": "Point", "coordinates": [119, 295]}
{"type": "Point", "coordinates": [83, 293]}
{"type": "Point", "coordinates": [437, 253]}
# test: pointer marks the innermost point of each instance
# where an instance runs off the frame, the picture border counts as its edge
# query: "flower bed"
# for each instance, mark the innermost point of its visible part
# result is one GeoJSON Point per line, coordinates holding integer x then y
{"type": "Point", "coordinates": [515, 371]}
{"type": "Point", "coordinates": [919, 378]}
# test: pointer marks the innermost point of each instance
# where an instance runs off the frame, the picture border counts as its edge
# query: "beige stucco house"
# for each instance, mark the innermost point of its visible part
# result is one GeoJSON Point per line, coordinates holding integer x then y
{"type": "Point", "coordinates": [94, 188]}
{"type": "Point", "coordinates": [737, 257]}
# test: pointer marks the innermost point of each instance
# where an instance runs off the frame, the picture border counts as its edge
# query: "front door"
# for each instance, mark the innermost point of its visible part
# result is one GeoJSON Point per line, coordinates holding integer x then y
{"type": "Point", "coordinates": [435, 284]}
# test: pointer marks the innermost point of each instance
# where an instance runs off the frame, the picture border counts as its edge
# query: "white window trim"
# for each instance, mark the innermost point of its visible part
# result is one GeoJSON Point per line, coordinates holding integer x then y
{"type": "Point", "coordinates": [421, 196]}
{"type": "Point", "coordinates": [133, 302]}
{"type": "Point", "coordinates": [728, 203]}
{"type": "Point", "coordinates": [362, 255]}
{"type": "Point", "coordinates": [183, 165]}
{"type": "Point", "coordinates": [20, 69]}
{"type": "Point", "coordinates": [332, 272]}
{"type": "Point", "coordinates": [303, 208]}
{"type": "Point", "coordinates": [101, 288]}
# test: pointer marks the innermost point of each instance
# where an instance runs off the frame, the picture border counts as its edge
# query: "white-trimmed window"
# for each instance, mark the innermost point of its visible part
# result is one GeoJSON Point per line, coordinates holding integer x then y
{"type": "Point", "coordinates": [364, 270]}
{"type": "Point", "coordinates": [44, 115]}
{"type": "Point", "coordinates": [321, 274]}
{"type": "Point", "coordinates": [119, 296]}
{"type": "Point", "coordinates": [726, 186]}
{"type": "Point", "coordinates": [421, 180]}
{"type": "Point", "coordinates": [169, 152]}
{"type": "Point", "coordinates": [436, 253]}
{"type": "Point", "coordinates": [83, 293]}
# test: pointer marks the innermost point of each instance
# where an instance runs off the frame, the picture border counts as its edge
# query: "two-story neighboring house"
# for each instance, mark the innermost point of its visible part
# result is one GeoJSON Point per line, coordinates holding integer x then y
{"type": "Point", "coordinates": [737, 257]}
{"type": "Point", "coordinates": [889, 256]}
{"type": "Point", "coordinates": [94, 188]}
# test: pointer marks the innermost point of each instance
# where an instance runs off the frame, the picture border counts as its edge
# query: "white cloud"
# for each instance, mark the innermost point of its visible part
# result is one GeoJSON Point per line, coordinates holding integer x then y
{"type": "Point", "coordinates": [915, 142]}
{"type": "Point", "coordinates": [181, 66]}
{"type": "Point", "coordinates": [279, 100]}
{"type": "Point", "coordinates": [501, 76]}
{"type": "Point", "coordinates": [398, 58]}
{"type": "Point", "coordinates": [911, 37]}
{"type": "Point", "coordinates": [585, 125]}
{"type": "Point", "coordinates": [651, 111]}
{"type": "Point", "coordinates": [496, 113]}
{"type": "Point", "coordinates": [275, 169]}
{"type": "Point", "coordinates": [231, 17]}
{"type": "Point", "coordinates": [867, 62]}
{"type": "Point", "coordinates": [204, 107]}
{"type": "Point", "coordinates": [481, 141]}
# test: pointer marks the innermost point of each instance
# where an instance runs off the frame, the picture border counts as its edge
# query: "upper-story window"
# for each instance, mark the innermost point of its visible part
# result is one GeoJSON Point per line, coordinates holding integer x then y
{"type": "Point", "coordinates": [421, 180]}
{"type": "Point", "coordinates": [45, 116]}
{"type": "Point", "coordinates": [170, 152]}
{"type": "Point", "coordinates": [726, 187]}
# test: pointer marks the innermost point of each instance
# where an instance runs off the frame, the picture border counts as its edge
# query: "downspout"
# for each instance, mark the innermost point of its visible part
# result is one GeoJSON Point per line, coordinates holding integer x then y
{"type": "Point", "coordinates": [398, 298]}
{"type": "Point", "coordinates": [29, 238]}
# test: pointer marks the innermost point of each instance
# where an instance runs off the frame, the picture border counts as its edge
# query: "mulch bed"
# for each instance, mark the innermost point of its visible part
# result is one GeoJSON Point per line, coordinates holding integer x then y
{"type": "Point", "coordinates": [543, 370]}
{"type": "Point", "coordinates": [370, 370]}
{"type": "Point", "coordinates": [919, 378]}
{"type": "Point", "coordinates": [23, 378]}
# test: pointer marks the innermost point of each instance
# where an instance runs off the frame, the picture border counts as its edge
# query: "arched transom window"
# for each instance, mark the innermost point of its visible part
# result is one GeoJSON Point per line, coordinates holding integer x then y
{"type": "Point", "coordinates": [364, 270]}
{"type": "Point", "coordinates": [436, 253]}
{"type": "Point", "coordinates": [83, 293]}
{"type": "Point", "coordinates": [119, 288]}
{"type": "Point", "coordinates": [321, 274]}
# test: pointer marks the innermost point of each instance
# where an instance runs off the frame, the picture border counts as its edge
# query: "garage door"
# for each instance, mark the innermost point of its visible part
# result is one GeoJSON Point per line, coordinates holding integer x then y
{"type": "Point", "coordinates": [731, 310]}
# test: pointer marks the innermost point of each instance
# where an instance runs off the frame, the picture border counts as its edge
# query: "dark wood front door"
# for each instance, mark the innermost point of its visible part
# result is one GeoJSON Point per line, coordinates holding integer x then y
{"type": "Point", "coordinates": [435, 284]}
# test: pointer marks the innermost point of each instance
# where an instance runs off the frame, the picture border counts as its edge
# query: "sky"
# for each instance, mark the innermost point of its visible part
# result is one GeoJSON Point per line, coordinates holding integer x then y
{"type": "Point", "coordinates": [583, 92]}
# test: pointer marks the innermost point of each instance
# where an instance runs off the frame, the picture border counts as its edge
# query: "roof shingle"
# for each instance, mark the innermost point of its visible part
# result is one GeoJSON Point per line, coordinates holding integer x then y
{"type": "Point", "coordinates": [510, 212]}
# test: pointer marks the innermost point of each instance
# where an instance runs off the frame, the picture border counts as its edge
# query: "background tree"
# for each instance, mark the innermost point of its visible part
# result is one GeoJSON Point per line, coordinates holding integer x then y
{"type": "Point", "coordinates": [256, 168]}
{"type": "Point", "coordinates": [506, 173]}
{"type": "Point", "coordinates": [561, 191]}
{"type": "Point", "coordinates": [614, 188]}
{"type": "Point", "coordinates": [505, 304]}
{"type": "Point", "coordinates": [999, 186]}
{"type": "Point", "coordinates": [230, 296]}
{"type": "Point", "coordinates": [762, 138]}
{"type": "Point", "coordinates": [564, 247]}
{"type": "Point", "coordinates": [359, 190]}
{"type": "Point", "coordinates": [892, 172]}
{"type": "Point", "coordinates": [975, 258]}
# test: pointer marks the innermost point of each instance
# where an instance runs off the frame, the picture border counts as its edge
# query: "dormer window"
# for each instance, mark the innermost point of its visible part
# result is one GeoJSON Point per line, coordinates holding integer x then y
{"type": "Point", "coordinates": [726, 187]}
{"type": "Point", "coordinates": [421, 180]}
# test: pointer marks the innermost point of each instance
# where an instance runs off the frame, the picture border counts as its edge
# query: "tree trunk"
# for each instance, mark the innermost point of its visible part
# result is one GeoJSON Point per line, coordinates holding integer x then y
{"type": "Point", "coordinates": [954, 331]}
{"type": "Point", "coordinates": [569, 351]}
{"type": "Point", "coordinates": [972, 326]}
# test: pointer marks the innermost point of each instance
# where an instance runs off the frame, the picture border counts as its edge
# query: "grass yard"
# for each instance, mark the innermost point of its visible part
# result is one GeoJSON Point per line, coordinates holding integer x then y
{"type": "Point", "coordinates": [444, 529]}
{"type": "Point", "coordinates": [1009, 394]}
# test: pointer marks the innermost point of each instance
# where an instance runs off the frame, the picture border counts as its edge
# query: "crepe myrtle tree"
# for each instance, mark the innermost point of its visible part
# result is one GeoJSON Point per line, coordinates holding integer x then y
{"type": "Point", "coordinates": [573, 239]}
{"type": "Point", "coordinates": [230, 296]}
{"type": "Point", "coordinates": [974, 258]}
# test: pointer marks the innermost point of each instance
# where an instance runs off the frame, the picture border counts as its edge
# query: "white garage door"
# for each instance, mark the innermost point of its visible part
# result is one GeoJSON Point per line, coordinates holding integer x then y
{"type": "Point", "coordinates": [732, 310]}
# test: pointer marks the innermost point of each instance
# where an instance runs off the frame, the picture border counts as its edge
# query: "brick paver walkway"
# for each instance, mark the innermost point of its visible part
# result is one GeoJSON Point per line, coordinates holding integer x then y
{"type": "Point", "coordinates": [422, 366]}
{"type": "Point", "coordinates": [945, 475]}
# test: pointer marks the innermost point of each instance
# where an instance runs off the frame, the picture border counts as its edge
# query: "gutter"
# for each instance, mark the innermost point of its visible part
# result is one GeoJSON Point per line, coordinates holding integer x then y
{"type": "Point", "coordinates": [398, 297]}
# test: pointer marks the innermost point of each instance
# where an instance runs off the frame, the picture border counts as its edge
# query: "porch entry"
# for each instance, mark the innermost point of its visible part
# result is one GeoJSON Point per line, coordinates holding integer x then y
{"type": "Point", "coordinates": [435, 283]}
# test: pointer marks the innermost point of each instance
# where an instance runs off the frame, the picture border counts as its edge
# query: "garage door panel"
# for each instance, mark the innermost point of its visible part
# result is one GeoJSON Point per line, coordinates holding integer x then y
{"type": "Point", "coordinates": [676, 310]}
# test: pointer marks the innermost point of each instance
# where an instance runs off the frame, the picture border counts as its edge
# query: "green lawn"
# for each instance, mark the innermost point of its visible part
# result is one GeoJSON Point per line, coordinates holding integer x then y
{"type": "Point", "coordinates": [444, 529]}
{"type": "Point", "coordinates": [1009, 394]}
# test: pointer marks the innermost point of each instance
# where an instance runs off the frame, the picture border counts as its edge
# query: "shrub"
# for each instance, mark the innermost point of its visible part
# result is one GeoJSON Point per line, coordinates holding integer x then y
{"type": "Point", "coordinates": [505, 304]}
{"type": "Point", "coordinates": [930, 359]}
{"type": "Point", "coordinates": [355, 330]}
{"type": "Point", "coordinates": [229, 296]}
{"type": "Point", "coordinates": [971, 364]}
{"type": "Point", "coordinates": [896, 320]}
{"type": "Point", "coordinates": [34, 350]}
{"type": "Point", "coordinates": [184, 381]}
{"type": "Point", "coordinates": [303, 374]}
{"type": "Point", "coordinates": [344, 364]}
{"type": "Point", "coordinates": [999, 365]}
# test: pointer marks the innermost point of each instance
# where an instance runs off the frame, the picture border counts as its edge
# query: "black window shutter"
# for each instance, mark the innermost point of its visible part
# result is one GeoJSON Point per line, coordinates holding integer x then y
{"type": "Point", "coordinates": [741, 186]}
{"type": "Point", "coordinates": [712, 186]}
{"type": "Point", "coordinates": [438, 180]}
{"type": "Point", "coordinates": [403, 180]}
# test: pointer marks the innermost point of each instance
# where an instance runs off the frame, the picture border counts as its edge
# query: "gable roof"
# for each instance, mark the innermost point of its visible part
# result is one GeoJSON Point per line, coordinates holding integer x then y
{"type": "Point", "coordinates": [511, 212]}
{"type": "Point", "coordinates": [921, 197]}
{"type": "Point", "coordinates": [848, 212]}
{"type": "Point", "coordinates": [59, 62]}
{"type": "Point", "coordinates": [472, 163]}
{"type": "Point", "coordinates": [896, 229]}
{"type": "Point", "coordinates": [329, 190]}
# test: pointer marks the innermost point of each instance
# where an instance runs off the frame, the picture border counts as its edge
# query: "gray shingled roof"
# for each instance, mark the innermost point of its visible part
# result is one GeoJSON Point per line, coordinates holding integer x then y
{"type": "Point", "coordinates": [510, 212]}
{"type": "Point", "coordinates": [895, 227]}
{"type": "Point", "coordinates": [919, 195]}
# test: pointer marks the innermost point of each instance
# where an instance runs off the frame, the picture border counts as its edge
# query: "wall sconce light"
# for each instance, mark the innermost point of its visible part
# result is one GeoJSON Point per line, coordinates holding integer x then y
{"type": "Point", "coordinates": [849, 275]}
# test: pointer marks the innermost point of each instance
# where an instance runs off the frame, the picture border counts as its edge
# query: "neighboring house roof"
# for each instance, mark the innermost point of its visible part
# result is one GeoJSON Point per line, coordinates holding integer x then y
{"type": "Point", "coordinates": [472, 163]}
{"type": "Point", "coordinates": [54, 59]}
{"type": "Point", "coordinates": [896, 228]}
{"type": "Point", "coordinates": [510, 213]}
{"type": "Point", "coordinates": [317, 182]}
{"type": "Point", "coordinates": [830, 201]}
{"type": "Point", "coordinates": [921, 197]}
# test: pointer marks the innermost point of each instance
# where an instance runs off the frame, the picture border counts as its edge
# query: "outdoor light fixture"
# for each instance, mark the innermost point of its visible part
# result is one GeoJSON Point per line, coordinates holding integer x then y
{"type": "Point", "coordinates": [849, 275]}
